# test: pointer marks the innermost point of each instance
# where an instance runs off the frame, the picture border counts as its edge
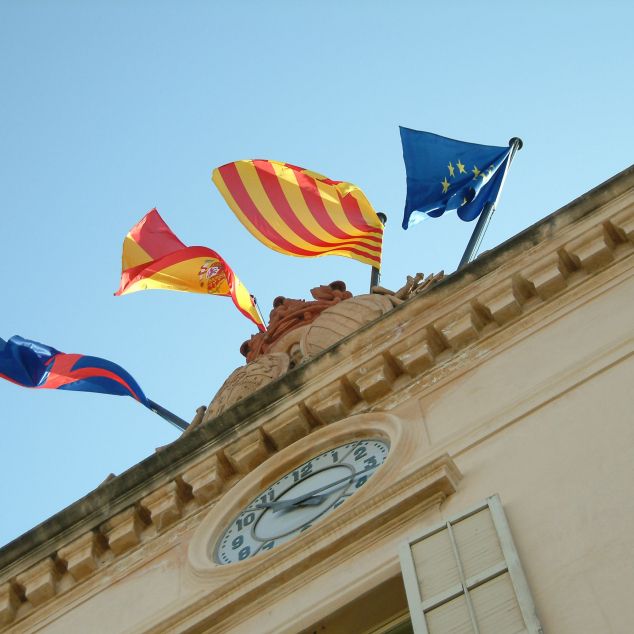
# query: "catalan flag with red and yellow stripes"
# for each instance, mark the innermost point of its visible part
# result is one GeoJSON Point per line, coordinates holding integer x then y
{"type": "Point", "coordinates": [299, 212]}
{"type": "Point", "coordinates": [153, 257]}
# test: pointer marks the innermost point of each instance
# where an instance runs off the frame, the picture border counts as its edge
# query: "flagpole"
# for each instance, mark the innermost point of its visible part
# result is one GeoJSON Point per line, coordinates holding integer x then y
{"type": "Point", "coordinates": [485, 217]}
{"type": "Point", "coordinates": [375, 275]}
{"type": "Point", "coordinates": [255, 303]}
{"type": "Point", "coordinates": [168, 416]}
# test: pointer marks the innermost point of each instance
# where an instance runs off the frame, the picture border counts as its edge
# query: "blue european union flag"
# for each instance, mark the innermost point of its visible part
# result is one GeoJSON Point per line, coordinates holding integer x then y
{"type": "Point", "coordinates": [444, 174]}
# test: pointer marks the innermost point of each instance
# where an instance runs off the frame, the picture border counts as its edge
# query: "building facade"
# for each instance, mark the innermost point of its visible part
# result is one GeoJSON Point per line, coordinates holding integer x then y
{"type": "Point", "coordinates": [460, 461]}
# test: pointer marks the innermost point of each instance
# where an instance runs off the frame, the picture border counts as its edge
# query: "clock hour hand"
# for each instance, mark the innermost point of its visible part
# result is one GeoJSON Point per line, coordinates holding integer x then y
{"type": "Point", "coordinates": [313, 500]}
{"type": "Point", "coordinates": [310, 499]}
{"type": "Point", "coordinates": [283, 505]}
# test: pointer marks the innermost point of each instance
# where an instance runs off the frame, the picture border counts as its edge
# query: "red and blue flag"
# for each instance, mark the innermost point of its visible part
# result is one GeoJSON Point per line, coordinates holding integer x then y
{"type": "Point", "coordinates": [32, 364]}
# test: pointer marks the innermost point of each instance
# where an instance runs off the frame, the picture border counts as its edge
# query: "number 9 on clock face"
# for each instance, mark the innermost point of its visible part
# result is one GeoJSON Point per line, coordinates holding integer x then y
{"type": "Point", "coordinates": [300, 499]}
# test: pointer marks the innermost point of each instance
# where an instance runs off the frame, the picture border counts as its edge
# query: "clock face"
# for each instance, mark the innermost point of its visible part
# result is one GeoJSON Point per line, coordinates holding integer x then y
{"type": "Point", "coordinates": [300, 499]}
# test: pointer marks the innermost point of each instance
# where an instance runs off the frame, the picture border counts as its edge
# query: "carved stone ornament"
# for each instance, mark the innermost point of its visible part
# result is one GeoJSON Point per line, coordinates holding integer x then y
{"type": "Point", "coordinates": [289, 314]}
{"type": "Point", "coordinates": [340, 320]}
{"type": "Point", "coordinates": [246, 380]}
{"type": "Point", "coordinates": [300, 329]}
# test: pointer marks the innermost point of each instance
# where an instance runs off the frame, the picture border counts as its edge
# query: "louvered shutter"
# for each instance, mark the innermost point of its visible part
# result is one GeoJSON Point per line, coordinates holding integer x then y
{"type": "Point", "coordinates": [464, 577]}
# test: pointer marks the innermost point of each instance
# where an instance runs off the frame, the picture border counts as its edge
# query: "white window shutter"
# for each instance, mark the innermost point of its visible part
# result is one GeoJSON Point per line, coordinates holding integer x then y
{"type": "Point", "coordinates": [464, 577]}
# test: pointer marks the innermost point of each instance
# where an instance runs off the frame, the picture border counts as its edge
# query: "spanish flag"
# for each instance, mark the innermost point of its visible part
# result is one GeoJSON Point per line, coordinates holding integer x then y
{"type": "Point", "coordinates": [299, 212]}
{"type": "Point", "coordinates": [153, 257]}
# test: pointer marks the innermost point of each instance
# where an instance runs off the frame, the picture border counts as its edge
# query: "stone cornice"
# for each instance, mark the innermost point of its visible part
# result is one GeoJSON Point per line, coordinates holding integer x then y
{"type": "Point", "coordinates": [357, 374]}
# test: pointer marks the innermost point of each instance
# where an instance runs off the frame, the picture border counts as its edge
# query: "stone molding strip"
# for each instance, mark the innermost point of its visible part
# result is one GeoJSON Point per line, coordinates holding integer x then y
{"type": "Point", "coordinates": [461, 309]}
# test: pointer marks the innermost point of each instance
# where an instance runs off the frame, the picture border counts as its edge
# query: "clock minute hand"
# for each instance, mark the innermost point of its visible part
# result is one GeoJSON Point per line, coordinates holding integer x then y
{"type": "Point", "coordinates": [279, 505]}
{"type": "Point", "coordinates": [344, 481]}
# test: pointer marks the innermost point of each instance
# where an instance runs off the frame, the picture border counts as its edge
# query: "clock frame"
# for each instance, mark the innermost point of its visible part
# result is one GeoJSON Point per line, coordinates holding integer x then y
{"type": "Point", "coordinates": [300, 499]}
{"type": "Point", "coordinates": [376, 425]}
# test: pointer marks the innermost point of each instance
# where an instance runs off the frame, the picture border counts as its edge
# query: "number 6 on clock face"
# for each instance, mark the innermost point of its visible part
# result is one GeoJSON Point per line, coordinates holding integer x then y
{"type": "Point", "coordinates": [300, 499]}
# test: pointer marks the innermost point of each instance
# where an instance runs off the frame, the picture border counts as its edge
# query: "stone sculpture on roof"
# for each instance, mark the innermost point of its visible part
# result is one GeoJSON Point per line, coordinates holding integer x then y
{"type": "Point", "coordinates": [300, 329]}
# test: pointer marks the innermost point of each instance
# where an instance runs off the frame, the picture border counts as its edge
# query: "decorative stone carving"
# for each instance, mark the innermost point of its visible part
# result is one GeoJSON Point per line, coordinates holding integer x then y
{"type": "Point", "coordinates": [300, 329]}
{"type": "Point", "coordinates": [206, 478]}
{"type": "Point", "coordinates": [288, 427]}
{"type": "Point", "coordinates": [40, 581]}
{"type": "Point", "coordinates": [289, 343]}
{"type": "Point", "coordinates": [374, 379]}
{"type": "Point", "coordinates": [165, 505]}
{"type": "Point", "coordinates": [623, 222]}
{"type": "Point", "coordinates": [289, 314]}
{"type": "Point", "coordinates": [9, 602]}
{"type": "Point", "coordinates": [415, 353]}
{"type": "Point", "coordinates": [548, 276]}
{"type": "Point", "coordinates": [82, 555]}
{"type": "Point", "coordinates": [246, 380]}
{"type": "Point", "coordinates": [461, 327]}
{"type": "Point", "coordinates": [592, 250]}
{"type": "Point", "coordinates": [123, 530]}
{"type": "Point", "coordinates": [414, 285]}
{"type": "Point", "coordinates": [247, 452]}
{"type": "Point", "coordinates": [333, 402]}
{"type": "Point", "coordinates": [342, 319]}
{"type": "Point", "coordinates": [505, 301]}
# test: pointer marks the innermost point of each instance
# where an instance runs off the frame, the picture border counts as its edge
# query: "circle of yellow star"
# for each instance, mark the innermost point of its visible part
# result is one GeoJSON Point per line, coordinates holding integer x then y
{"type": "Point", "coordinates": [451, 169]}
{"type": "Point", "coordinates": [460, 166]}
{"type": "Point", "coordinates": [445, 185]}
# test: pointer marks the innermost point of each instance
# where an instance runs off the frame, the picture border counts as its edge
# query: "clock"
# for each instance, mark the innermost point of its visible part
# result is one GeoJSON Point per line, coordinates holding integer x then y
{"type": "Point", "coordinates": [299, 499]}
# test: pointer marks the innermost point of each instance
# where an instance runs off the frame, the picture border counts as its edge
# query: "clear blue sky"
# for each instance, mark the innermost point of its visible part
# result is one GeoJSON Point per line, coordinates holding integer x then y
{"type": "Point", "coordinates": [108, 109]}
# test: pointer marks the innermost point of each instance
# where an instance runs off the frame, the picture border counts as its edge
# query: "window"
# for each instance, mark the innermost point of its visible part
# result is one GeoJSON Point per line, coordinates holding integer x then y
{"type": "Point", "coordinates": [380, 610]}
{"type": "Point", "coordinates": [464, 577]}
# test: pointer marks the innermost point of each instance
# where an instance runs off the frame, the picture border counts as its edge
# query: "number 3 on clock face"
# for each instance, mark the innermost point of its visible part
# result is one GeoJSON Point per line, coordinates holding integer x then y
{"type": "Point", "coordinates": [299, 499]}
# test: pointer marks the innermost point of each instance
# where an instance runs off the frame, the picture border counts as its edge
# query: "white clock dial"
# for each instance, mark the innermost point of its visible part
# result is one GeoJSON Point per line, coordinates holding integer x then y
{"type": "Point", "coordinates": [300, 498]}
